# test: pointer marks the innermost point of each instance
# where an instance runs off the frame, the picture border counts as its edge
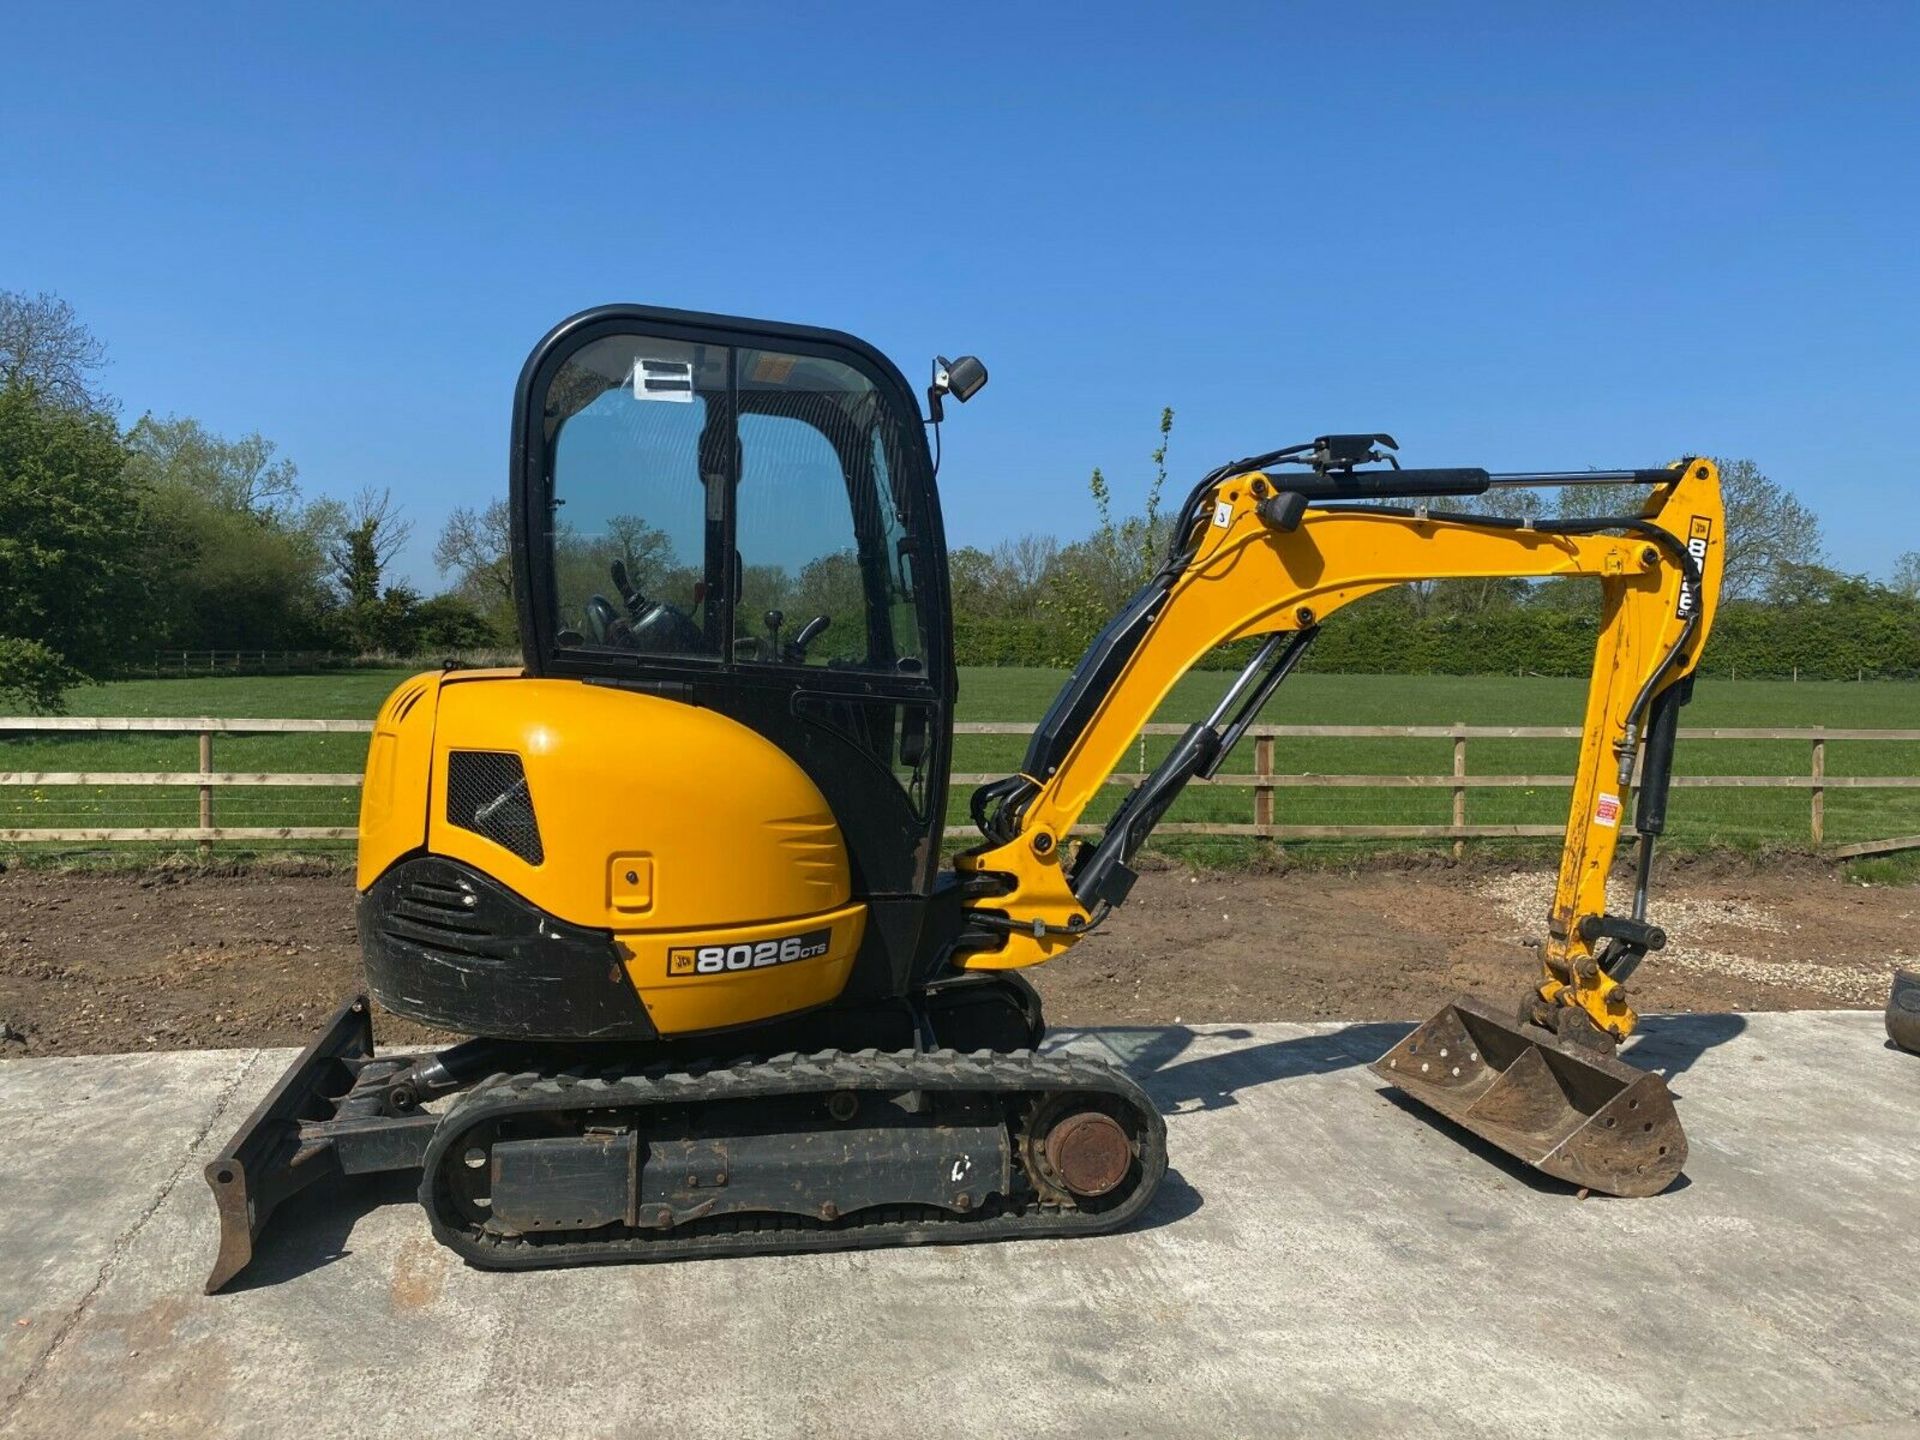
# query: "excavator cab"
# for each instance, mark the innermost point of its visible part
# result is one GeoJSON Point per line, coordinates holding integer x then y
{"type": "Point", "coordinates": [744, 514]}
{"type": "Point", "coordinates": [679, 874]}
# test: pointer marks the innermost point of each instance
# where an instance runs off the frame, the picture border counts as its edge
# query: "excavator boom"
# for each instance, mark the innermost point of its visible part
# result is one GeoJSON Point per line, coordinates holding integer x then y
{"type": "Point", "coordinates": [1269, 556]}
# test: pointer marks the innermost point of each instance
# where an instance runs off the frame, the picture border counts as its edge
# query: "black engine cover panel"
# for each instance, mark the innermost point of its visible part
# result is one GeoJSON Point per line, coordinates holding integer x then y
{"type": "Point", "coordinates": [447, 945]}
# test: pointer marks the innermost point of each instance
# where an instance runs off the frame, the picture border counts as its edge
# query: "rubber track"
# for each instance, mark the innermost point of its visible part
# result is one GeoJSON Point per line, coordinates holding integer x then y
{"type": "Point", "coordinates": [786, 1076]}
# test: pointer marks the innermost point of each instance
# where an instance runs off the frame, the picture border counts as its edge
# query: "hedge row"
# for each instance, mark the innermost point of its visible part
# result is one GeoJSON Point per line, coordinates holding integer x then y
{"type": "Point", "coordinates": [1842, 639]}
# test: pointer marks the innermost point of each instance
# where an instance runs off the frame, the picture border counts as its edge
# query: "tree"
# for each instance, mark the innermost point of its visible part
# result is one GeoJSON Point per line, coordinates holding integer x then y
{"type": "Point", "coordinates": [388, 624]}
{"type": "Point", "coordinates": [1769, 532]}
{"type": "Point", "coordinates": [1005, 582]}
{"type": "Point", "coordinates": [973, 583]}
{"type": "Point", "coordinates": [1906, 575]}
{"type": "Point", "coordinates": [373, 534]}
{"type": "Point", "coordinates": [1135, 544]}
{"type": "Point", "coordinates": [1590, 502]}
{"type": "Point", "coordinates": [44, 344]}
{"type": "Point", "coordinates": [240, 475]}
{"type": "Point", "coordinates": [1772, 540]}
{"type": "Point", "coordinates": [1095, 577]}
{"type": "Point", "coordinates": [831, 585]}
{"type": "Point", "coordinates": [374, 616]}
{"type": "Point", "coordinates": [1425, 599]}
{"type": "Point", "coordinates": [451, 622]}
{"type": "Point", "coordinates": [1027, 560]}
{"type": "Point", "coordinates": [71, 535]}
{"type": "Point", "coordinates": [647, 553]}
{"type": "Point", "coordinates": [1796, 586]}
{"type": "Point", "coordinates": [237, 560]}
{"type": "Point", "coordinates": [474, 548]}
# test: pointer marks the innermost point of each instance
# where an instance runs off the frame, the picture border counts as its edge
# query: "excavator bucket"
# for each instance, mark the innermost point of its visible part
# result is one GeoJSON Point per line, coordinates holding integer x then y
{"type": "Point", "coordinates": [1576, 1113]}
{"type": "Point", "coordinates": [1903, 1010]}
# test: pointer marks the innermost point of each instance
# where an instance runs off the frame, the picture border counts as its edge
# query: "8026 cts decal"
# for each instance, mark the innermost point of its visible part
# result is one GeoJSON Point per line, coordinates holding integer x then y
{"type": "Point", "coordinates": [1699, 535]}
{"type": "Point", "coordinates": [747, 954]}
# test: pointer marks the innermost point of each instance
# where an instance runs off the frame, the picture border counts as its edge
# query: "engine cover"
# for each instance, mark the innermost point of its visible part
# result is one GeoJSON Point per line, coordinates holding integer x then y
{"type": "Point", "coordinates": [697, 852]}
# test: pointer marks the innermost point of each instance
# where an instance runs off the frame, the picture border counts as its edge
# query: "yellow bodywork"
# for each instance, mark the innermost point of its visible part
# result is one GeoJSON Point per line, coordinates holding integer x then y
{"type": "Point", "coordinates": [672, 826]}
{"type": "Point", "coordinates": [700, 845]}
{"type": "Point", "coordinates": [1247, 578]}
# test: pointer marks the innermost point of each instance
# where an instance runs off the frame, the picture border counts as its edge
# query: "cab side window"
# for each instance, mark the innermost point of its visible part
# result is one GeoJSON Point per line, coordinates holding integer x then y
{"type": "Point", "coordinates": [638, 484]}
{"type": "Point", "coordinates": [819, 530]}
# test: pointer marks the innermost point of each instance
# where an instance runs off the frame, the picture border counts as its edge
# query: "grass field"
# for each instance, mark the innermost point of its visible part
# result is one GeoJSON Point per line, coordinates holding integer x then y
{"type": "Point", "coordinates": [1741, 818]}
{"type": "Point", "coordinates": [1700, 818]}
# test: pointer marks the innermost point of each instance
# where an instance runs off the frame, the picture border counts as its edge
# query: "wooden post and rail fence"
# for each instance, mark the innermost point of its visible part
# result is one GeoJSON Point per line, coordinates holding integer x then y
{"type": "Point", "coordinates": [1264, 781]}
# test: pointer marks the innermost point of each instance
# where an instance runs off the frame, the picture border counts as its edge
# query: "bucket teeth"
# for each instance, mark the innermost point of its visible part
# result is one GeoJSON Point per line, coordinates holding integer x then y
{"type": "Point", "coordinates": [1577, 1114]}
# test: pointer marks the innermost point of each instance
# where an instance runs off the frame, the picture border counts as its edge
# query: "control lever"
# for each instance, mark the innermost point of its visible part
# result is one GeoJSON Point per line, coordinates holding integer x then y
{"type": "Point", "coordinates": [629, 593]}
{"type": "Point", "coordinates": [809, 633]}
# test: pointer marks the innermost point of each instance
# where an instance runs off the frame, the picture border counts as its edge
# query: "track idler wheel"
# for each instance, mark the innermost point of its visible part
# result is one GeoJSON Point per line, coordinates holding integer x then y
{"type": "Point", "coordinates": [1076, 1153]}
{"type": "Point", "coordinates": [1089, 1152]}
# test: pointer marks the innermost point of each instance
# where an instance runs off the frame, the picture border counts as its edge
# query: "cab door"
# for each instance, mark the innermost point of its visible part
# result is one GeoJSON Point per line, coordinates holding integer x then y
{"type": "Point", "coordinates": [742, 515]}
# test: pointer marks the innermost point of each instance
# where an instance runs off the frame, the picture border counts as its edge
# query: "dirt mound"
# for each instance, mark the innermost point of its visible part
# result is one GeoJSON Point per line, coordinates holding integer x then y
{"type": "Point", "coordinates": [95, 962]}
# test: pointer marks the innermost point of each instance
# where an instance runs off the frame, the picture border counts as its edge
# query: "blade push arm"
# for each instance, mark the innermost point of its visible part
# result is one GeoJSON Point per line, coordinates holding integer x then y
{"type": "Point", "coordinates": [1260, 566]}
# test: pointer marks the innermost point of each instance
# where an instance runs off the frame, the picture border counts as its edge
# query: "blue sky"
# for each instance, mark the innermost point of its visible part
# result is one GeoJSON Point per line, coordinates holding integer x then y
{"type": "Point", "coordinates": [1525, 236]}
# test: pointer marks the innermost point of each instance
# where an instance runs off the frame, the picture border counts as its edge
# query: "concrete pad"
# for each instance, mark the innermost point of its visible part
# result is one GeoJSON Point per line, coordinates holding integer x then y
{"type": "Point", "coordinates": [91, 1147]}
{"type": "Point", "coordinates": [1323, 1261]}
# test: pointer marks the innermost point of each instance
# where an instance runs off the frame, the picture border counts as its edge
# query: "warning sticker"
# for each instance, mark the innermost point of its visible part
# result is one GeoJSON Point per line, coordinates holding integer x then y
{"type": "Point", "coordinates": [1223, 514]}
{"type": "Point", "coordinates": [1607, 811]}
{"type": "Point", "coordinates": [771, 369]}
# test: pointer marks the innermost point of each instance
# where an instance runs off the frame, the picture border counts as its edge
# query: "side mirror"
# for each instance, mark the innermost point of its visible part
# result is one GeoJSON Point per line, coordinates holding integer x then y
{"type": "Point", "coordinates": [965, 377]}
{"type": "Point", "coordinates": [960, 378]}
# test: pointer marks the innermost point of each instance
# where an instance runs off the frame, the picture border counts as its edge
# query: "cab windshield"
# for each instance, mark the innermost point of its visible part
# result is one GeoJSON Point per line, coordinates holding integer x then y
{"type": "Point", "coordinates": [728, 504]}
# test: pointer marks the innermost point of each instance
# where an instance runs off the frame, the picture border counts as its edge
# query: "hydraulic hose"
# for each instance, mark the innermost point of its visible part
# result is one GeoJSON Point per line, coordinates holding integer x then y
{"type": "Point", "coordinates": [1633, 524]}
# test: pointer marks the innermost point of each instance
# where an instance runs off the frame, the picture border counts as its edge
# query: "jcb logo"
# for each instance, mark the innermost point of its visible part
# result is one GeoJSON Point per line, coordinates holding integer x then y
{"type": "Point", "coordinates": [747, 955]}
{"type": "Point", "coordinates": [1699, 532]}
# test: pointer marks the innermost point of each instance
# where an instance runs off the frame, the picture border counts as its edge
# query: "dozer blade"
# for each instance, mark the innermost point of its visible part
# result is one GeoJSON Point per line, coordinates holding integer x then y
{"type": "Point", "coordinates": [268, 1158]}
{"type": "Point", "coordinates": [1903, 1010]}
{"type": "Point", "coordinates": [1578, 1114]}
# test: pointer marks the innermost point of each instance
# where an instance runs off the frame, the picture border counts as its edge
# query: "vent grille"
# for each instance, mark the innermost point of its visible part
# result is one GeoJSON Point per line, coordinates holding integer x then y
{"type": "Point", "coordinates": [487, 794]}
{"type": "Point", "coordinates": [404, 702]}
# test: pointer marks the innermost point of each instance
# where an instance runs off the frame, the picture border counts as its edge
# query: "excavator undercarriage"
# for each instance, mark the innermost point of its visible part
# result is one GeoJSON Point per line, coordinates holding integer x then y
{"type": "Point", "coordinates": [680, 874]}
{"type": "Point", "coordinates": [535, 1155]}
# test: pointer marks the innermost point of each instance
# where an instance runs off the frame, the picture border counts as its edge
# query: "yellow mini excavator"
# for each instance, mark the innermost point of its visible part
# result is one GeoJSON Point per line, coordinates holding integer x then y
{"type": "Point", "coordinates": [680, 874]}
